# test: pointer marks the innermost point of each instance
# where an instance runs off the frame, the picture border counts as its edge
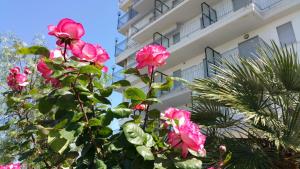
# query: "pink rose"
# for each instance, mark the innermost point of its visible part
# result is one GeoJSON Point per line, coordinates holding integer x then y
{"type": "Point", "coordinates": [16, 80]}
{"type": "Point", "coordinates": [84, 51]}
{"type": "Point", "coordinates": [54, 82]}
{"type": "Point", "coordinates": [151, 56]}
{"type": "Point", "coordinates": [89, 52]}
{"type": "Point", "coordinates": [11, 166]}
{"type": "Point", "coordinates": [44, 69]}
{"type": "Point", "coordinates": [27, 71]}
{"type": "Point", "coordinates": [66, 29]}
{"type": "Point", "coordinates": [46, 72]}
{"type": "Point", "coordinates": [105, 69]}
{"type": "Point", "coordinates": [182, 116]}
{"type": "Point", "coordinates": [188, 138]}
{"type": "Point", "coordinates": [56, 53]}
{"type": "Point", "coordinates": [102, 55]}
{"type": "Point", "coordinates": [15, 70]}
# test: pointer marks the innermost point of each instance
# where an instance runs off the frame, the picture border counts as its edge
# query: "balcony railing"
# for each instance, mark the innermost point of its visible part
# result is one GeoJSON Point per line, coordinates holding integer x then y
{"type": "Point", "coordinates": [187, 29]}
{"type": "Point", "coordinates": [160, 9]}
{"type": "Point", "coordinates": [189, 74]}
{"type": "Point", "coordinates": [125, 18]}
{"type": "Point", "coordinates": [124, 45]}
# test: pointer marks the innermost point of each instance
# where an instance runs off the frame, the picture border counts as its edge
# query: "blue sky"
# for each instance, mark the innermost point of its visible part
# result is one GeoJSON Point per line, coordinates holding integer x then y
{"type": "Point", "coordinates": [26, 18]}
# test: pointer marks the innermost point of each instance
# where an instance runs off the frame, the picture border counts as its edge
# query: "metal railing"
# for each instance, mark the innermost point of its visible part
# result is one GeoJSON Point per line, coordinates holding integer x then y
{"type": "Point", "coordinates": [187, 30]}
{"type": "Point", "coordinates": [189, 74]}
{"type": "Point", "coordinates": [124, 45]}
{"type": "Point", "coordinates": [156, 13]}
{"type": "Point", "coordinates": [126, 17]}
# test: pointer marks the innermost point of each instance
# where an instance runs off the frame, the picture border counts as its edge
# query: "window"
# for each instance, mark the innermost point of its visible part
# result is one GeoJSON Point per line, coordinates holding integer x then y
{"type": "Point", "coordinates": [286, 34]}
{"type": "Point", "coordinates": [249, 47]}
{"type": "Point", "coordinates": [177, 73]}
{"type": "Point", "coordinates": [176, 37]}
{"type": "Point", "coordinates": [238, 4]}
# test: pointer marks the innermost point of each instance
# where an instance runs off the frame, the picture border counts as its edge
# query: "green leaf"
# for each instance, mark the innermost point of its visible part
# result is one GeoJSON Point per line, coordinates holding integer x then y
{"type": "Point", "coordinates": [99, 99]}
{"type": "Point", "coordinates": [134, 134]}
{"type": "Point", "coordinates": [145, 152]}
{"type": "Point", "coordinates": [154, 114]}
{"type": "Point", "coordinates": [5, 127]}
{"type": "Point", "coordinates": [123, 105]}
{"type": "Point", "coordinates": [164, 86]}
{"type": "Point", "coordinates": [149, 141]}
{"type": "Point", "coordinates": [83, 80]}
{"type": "Point", "coordinates": [106, 118]}
{"type": "Point", "coordinates": [34, 50]}
{"type": "Point", "coordinates": [189, 164]}
{"type": "Point", "coordinates": [46, 104]}
{"type": "Point", "coordinates": [106, 92]}
{"type": "Point", "coordinates": [105, 132]}
{"type": "Point", "coordinates": [94, 122]}
{"type": "Point", "coordinates": [145, 78]}
{"type": "Point", "coordinates": [100, 164]}
{"type": "Point", "coordinates": [66, 101]}
{"type": "Point", "coordinates": [69, 135]}
{"type": "Point", "coordinates": [121, 112]}
{"type": "Point", "coordinates": [90, 69]}
{"type": "Point", "coordinates": [121, 83]}
{"type": "Point", "coordinates": [59, 145]}
{"type": "Point", "coordinates": [152, 100]}
{"type": "Point", "coordinates": [43, 130]}
{"type": "Point", "coordinates": [134, 93]}
{"type": "Point", "coordinates": [26, 154]}
{"type": "Point", "coordinates": [133, 71]}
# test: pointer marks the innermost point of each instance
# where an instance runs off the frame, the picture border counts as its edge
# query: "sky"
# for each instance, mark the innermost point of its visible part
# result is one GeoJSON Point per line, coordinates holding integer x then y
{"type": "Point", "coordinates": [27, 18]}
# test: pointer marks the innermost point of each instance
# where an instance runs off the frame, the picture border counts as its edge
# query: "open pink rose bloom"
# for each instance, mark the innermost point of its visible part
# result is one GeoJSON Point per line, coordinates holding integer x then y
{"type": "Point", "coordinates": [66, 30]}
{"type": "Point", "coordinates": [17, 80]}
{"type": "Point", "coordinates": [151, 56]}
{"type": "Point", "coordinates": [185, 135]}
{"type": "Point", "coordinates": [89, 52]}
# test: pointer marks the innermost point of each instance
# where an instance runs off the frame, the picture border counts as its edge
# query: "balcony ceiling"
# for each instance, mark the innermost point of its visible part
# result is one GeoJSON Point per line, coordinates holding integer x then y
{"type": "Point", "coordinates": [144, 6]}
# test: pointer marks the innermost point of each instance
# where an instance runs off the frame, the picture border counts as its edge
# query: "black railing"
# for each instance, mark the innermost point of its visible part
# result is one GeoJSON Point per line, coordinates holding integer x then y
{"type": "Point", "coordinates": [209, 15]}
{"type": "Point", "coordinates": [160, 39]}
{"type": "Point", "coordinates": [160, 8]}
{"type": "Point", "coordinates": [212, 58]}
{"type": "Point", "coordinates": [125, 18]}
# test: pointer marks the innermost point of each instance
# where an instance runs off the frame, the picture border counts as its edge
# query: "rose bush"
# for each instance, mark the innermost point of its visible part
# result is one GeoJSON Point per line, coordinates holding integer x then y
{"type": "Point", "coordinates": [67, 124]}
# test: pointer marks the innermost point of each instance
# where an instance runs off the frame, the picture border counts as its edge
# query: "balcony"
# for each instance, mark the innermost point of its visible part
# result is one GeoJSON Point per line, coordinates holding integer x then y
{"type": "Point", "coordinates": [126, 4]}
{"type": "Point", "coordinates": [195, 34]}
{"type": "Point", "coordinates": [126, 17]}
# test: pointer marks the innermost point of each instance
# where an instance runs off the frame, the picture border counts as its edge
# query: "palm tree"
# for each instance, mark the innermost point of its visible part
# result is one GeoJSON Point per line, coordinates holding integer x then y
{"type": "Point", "coordinates": [253, 106]}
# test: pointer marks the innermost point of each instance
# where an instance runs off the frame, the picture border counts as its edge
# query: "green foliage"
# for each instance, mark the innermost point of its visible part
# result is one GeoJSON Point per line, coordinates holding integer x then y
{"type": "Point", "coordinates": [34, 50]}
{"type": "Point", "coordinates": [253, 106]}
{"type": "Point", "coordinates": [134, 93]}
{"type": "Point", "coordinates": [134, 134]}
{"type": "Point", "coordinates": [189, 164]}
{"type": "Point", "coordinates": [69, 125]}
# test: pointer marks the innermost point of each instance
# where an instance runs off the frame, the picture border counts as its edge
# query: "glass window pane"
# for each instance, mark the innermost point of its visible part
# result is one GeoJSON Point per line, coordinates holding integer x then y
{"type": "Point", "coordinates": [286, 34]}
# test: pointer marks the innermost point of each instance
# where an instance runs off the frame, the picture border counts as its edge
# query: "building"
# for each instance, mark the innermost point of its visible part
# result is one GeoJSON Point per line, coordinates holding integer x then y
{"type": "Point", "coordinates": [198, 33]}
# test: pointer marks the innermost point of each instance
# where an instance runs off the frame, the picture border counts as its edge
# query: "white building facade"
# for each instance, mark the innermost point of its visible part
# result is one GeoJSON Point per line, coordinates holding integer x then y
{"type": "Point", "coordinates": [198, 33]}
